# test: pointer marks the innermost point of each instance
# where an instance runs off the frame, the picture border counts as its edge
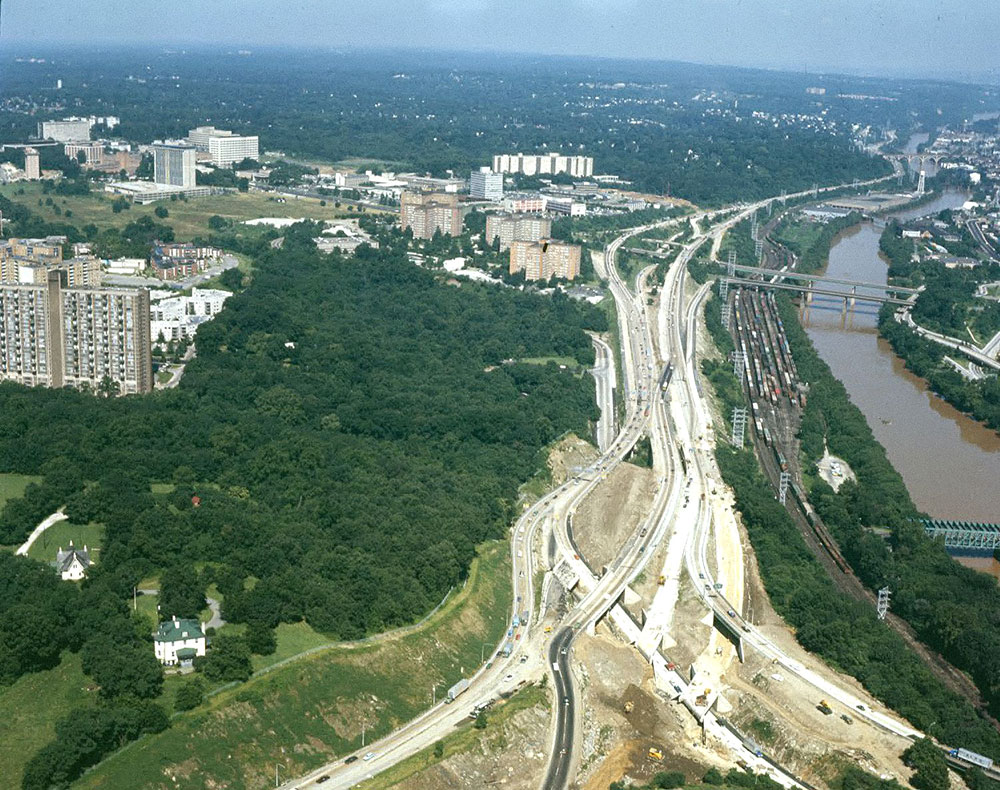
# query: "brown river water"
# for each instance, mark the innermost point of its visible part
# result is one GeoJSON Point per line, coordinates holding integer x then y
{"type": "Point", "coordinates": [950, 463]}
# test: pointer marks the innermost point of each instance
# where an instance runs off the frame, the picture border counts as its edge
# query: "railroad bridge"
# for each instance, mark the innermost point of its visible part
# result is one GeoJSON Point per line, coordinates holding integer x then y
{"type": "Point", "coordinates": [964, 535]}
{"type": "Point", "coordinates": [917, 161]}
{"type": "Point", "coordinates": [812, 284]}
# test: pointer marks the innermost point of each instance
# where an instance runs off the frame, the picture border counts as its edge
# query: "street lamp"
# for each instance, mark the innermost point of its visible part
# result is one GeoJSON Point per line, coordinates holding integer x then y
{"type": "Point", "coordinates": [276, 772]}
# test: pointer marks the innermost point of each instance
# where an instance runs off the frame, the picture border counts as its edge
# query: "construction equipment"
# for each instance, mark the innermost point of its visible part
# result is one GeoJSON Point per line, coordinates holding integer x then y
{"type": "Point", "coordinates": [655, 753]}
{"type": "Point", "coordinates": [662, 580]}
{"type": "Point", "coordinates": [628, 706]}
{"type": "Point", "coordinates": [824, 707]}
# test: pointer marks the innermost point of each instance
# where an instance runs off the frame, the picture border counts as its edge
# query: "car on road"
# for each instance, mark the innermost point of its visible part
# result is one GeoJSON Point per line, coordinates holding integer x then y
{"type": "Point", "coordinates": [563, 651]}
{"type": "Point", "coordinates": [369, 756]}
{"type": "Point", "coordinates": [352, 759]}
{"type": "Point", "coordinates": [731, 613]}
{"type": "Point", "coordinates": [323, 778]}
{"type": "Point", "coordinates": [508, 677]}
{"type": "Point", "coordinates": [565, 700]}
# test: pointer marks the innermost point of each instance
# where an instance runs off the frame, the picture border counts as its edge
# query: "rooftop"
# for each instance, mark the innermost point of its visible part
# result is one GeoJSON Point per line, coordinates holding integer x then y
{"type": "Point", "coordinates": [178, 629]}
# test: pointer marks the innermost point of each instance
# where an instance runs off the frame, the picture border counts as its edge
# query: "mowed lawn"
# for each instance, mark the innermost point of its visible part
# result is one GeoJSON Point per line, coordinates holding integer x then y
{"type": "Point", "coordinates": [30, 708]}
{"type": "Point", "coordinates": [11, 487]}
{"type": "Point", "coordinates": [312, 709]}
{"type": "Point", "coordinates": [61, 533]}
{"type": "Point", "coordinates": [188, 218]}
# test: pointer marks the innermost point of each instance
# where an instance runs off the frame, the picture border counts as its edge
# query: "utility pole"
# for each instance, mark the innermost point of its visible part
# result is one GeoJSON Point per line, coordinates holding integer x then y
{"type": "Point", "coordinates": [758, 249]}
{"type": "Point", "coordinates": [727, 311]}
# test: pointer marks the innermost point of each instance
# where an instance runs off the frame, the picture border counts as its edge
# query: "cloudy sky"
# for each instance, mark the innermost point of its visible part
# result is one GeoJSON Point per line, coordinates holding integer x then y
{"type": "Point", "coordinates": [902, 37]}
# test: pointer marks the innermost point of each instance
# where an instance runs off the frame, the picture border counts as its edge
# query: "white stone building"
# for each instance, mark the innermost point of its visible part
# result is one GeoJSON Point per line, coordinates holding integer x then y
{"type": "Point", "coordinates": [178, 642]}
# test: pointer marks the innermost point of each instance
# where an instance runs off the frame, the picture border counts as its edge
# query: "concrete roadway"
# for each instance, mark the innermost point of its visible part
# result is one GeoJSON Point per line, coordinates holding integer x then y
{"type": "Point", "coordinates": [556, 506]}
{"type": "Point", "coordinates": [565, 708]}
{"type": "Point", "coordinates": [604, 378]}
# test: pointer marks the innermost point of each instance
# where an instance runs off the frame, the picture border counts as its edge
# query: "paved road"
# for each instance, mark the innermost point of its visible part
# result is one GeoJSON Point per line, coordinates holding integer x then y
{"type": "Point", "coordinates": [565, 704]}
{"type": "Point", "coordinates": [37, 531]}
{"type": "Point", "coordinates": [604, 377]}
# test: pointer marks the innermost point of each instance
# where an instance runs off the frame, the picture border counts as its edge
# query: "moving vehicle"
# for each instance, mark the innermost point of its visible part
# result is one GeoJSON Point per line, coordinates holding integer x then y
{"type": "Point", "coordinates": [824, 707]}
{"type": "Point", "coordinates": [352, 759]}
{"type": "Point", "coordinates": [457, 689]}
{"type": "Point", "coordinates": [972, 757]}
{"type": "Point", "coordinates": [369, 756]}
{"type": "Point", "coordinates": [323, 778]}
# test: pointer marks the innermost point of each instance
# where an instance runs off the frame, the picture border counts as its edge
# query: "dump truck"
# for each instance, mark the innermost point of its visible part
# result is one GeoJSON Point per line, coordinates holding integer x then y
{"type": "Point", "coordinates": [457, 689]}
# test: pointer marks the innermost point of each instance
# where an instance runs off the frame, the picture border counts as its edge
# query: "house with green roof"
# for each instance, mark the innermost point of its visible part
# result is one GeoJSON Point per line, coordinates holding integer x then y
{"type": "Point", "coordinates": [178, 641]}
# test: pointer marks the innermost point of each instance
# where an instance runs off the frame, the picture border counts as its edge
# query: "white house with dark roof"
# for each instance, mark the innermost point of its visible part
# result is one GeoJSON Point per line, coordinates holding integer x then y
{"type": "Point", "coordinates": [178, 641]}
{"type": "Point", "coordinates": [72, 564]}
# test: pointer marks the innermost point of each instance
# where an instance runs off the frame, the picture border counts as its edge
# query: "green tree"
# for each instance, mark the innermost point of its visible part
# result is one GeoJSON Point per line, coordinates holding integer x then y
{"type": "Point", "coordinates": [930, 768]}
{"type": "Point", "coordinates": [190, 695]}
{"type": "Point", "coordinates": [161, 212]}
{"type": "Point", "coordinates": [227, 660]}
{"type": "Point", "coordinates": [480, 722]}
{"type": "Point", "coordinates": [261, 639]}
{"type": "Point", "coordinates": [439, 749]}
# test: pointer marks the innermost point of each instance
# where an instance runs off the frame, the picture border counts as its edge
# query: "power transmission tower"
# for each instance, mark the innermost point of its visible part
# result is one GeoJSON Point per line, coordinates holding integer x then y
{"type": "Point", "coordinates": [883, 602]}
{"type": "Point", "coordinates": [815, 190]}
{"type": "Point", "coordinates": [727, 313]}
{"type": "Point", "coordinates": [738, 359]}
{"type": "Point", "coordinates": [724, 289]}
{"type": "Point", "coordinates": [759, 251]}
{"type": "Point", "coordinates": [739, 426]}
{"type": "Point", "coordinates": [783, 482]}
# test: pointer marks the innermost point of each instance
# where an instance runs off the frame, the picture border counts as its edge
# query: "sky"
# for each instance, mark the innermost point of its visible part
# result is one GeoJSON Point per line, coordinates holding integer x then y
{"type": "Point", "coordinates": [935, 38]}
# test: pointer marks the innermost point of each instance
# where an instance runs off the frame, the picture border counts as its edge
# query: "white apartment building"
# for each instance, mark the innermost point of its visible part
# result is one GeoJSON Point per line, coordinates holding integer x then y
{"type": "Point", "coordinates": [225, 147]}
{"type": "Point", "coordinates": [484, 184]}
{"type": "Point", "coordinates": [174, 165]}
{"type": "Point", "coordinates": [65, 131]}
{"type": "Point", "coordinates": [544, 164]}
{"type": "Point", "coordinates": [180, 316]}
{"type": "Point", "coordinates": [94, 152]}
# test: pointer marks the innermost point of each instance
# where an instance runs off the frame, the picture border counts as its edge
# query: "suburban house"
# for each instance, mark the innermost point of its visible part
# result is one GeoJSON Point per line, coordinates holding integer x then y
{"type": "Point", "coordinates": [72, 564]}
{"type": "Point", "coordinates": [178, 641]}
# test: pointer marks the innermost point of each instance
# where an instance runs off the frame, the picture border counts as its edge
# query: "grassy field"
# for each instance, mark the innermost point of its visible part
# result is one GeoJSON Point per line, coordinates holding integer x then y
{"type": "Point", "coordinates": [26, 725]}
{"type": "Point", "coordinates": [12, 486]}
{"type": "Point", "coordinates": [187, 218]}
{"type": "Point", "coordinates": [61, 533]}
{"type": "Point", "coordinates": [310, 710]}
{"type": "Point", "coordinates": [463, 740]}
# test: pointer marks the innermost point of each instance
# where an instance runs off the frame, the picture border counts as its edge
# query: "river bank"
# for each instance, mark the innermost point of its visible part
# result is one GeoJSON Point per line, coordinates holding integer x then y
{"type": "Point", "coordinates": [949, 462]}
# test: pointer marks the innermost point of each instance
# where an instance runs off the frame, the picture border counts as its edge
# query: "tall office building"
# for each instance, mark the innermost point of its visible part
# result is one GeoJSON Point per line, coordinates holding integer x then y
{"type": "Point", "coordinates": [544, 164]}
{"type": "Point", "coordinates": [32, 168]}
{"type": "Point", "coordinates": [428, 212]}
{"type": "Point", "coordinates": [516, 227]}
{"type": "Point", "coordinates": [541, 260]}
{"type": "Point", "coordinates": [225, 147]}
{"type": "Point", "coordinates": [174, 165]}
{"type": "Point", "coordinates": [484, 184]}
{"type": "Point", "coordinates": [54, 335]}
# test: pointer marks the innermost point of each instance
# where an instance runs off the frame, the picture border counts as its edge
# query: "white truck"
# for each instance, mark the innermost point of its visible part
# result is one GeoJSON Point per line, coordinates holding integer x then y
{"type": "Point", "coordinates": [457, 689]}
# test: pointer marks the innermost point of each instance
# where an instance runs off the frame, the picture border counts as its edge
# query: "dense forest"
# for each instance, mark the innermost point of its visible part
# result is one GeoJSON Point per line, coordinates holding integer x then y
{"type": "Point", "coordinates": [708, 135]}
{"type": "Point", "coordinates": [843, 631]}
{"type": "Point", "coordinates": [352, 428]}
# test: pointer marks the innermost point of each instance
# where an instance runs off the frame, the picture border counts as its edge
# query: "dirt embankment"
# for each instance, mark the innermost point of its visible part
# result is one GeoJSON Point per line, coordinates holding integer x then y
{"type": "Point", "coordinates": [612, 512]}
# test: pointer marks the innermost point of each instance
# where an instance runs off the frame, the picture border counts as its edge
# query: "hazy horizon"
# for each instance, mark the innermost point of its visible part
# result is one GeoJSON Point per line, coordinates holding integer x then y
{"type": "Point", "coordinates": [859, 37]}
